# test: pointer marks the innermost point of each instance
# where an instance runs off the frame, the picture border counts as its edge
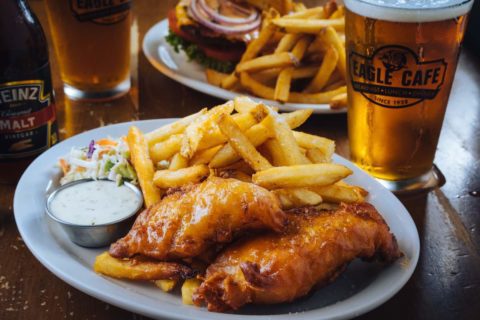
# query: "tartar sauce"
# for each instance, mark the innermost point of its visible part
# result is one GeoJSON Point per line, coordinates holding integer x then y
{"type": "Point", "coordinates": [94, 202]}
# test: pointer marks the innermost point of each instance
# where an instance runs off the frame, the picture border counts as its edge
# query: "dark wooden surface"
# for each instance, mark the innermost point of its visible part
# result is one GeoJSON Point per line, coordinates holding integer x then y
{"type": "Point", "coordinates": [446, 283]}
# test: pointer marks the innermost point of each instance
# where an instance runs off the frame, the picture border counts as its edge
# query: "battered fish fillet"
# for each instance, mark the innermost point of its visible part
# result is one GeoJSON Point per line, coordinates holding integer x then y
{"type": "Point", "coordinates": [192, 220]}
{"type": "Point", "coordinates": [278, 268]}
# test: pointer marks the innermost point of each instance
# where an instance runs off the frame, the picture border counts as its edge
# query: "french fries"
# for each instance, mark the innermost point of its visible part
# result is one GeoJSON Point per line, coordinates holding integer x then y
{"type": "Point", "coordinates": [176, 178]}
{"type": "Point", "coordinates": [196, 130]}
{"type": "Point", "coordinates": [259, 43]}
{"type": "Point", "coordinates": [312, 13]}
{"type": "Point", "coordinates": [301, 47]}
{"type": "Point", "coordinates": [324, 72]}
{"type": "Point", "coordinates": [166, 131]}
{"type": "Point", "coordinates": [256, 87]}
{"type": "Point", "coordinates": [166, 149]}
{"type": "Point", "coordinates": [312, 26]}
{"type": "Point", "coordinates": [297, 197]}
{"type": "Point", "coordinates": [241, 144]}
{"type": "Point", "coordinates": [340, 192]}
{"type": "Point", "coordinates": [287, 145]}
{"type": "Point", "coordinates": [251, 52]}
{"type": "Point", "coordinates": [317, 156]}
{"type": "Point", "coordinates": [296, 118]}
{"type": "Point", "coordinates": [308, 43]}
{"type": "Point", "coordinates": [334, 84]}
{"type": "Point", "coordinates": [138, 269]}
{"type": "Point", "coordinates": [340, 12]}
{"type": "Point", "coordinates": [178, 162]}
{"type": "Point", "coordinates": [143, 165]}
{"type": "Point", "coordinates": [275, 60]}
{"type": "Point", "coordinates": [321, 97]}
{"type": "Point", "coordinates": [339, 101]}
{"type": "Point", "coordinates": [287, 42]}
{"type": "Point", "coordinates": [298, 7]}
{"type": "Point", "coordinates": [273, 149]}
{"type": "Point", "coordinates": [244, 105]}
{"type": "Point", "coordinates": [257, 135]}
{"type": "Point", "coordinates": [166, 285]}
{"type": "Point", "coordinates": [298, 73]}
{"type": "Point", "coordinates": [256, 144]}
{"type": "Point", "coordinates": [214, 77]}
{"type": "Point", "coordinates": [282, 88]}
{"type": "Point", "coordinates": [298, 176]}
{"type": "Point", "coordinates": [205, 156]}
{"type": "Point", "coordinates": [214, 136]}
{"type": "Point", "coordinates": [227, 155]}
{"type": "Point", "coordinates": [330, 36]}
{"type": "Point", "coordinates": [188, 288]}
{"type": "Point", "coordinates": [311, 142]}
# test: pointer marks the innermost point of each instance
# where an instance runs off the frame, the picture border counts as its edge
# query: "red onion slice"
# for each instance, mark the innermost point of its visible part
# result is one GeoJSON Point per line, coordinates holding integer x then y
{"type": "Point", "coordinates": [198, 14]}
{"type": "Point", "coordinates": [215, 15]}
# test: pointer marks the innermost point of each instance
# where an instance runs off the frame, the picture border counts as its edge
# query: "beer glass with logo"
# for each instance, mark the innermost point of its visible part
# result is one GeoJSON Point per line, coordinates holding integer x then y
{"type": "Point", "coordinates": [401, 58]}
{"type": "Point", "coordinates": [92, 44]}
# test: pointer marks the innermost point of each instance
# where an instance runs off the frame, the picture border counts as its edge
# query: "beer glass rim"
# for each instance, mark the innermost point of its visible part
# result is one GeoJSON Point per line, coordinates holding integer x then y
{"type": "Point", "coordinates": [391, 6]}
{"type": "Point", "coordinates": [390, 12]}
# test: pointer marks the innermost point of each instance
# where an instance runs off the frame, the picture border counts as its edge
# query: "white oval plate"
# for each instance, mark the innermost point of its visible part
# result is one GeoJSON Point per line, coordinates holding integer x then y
{"type": "Point", "coordinates": [361, 288]}
{"type": "Point", "coordinates": [177, 67]}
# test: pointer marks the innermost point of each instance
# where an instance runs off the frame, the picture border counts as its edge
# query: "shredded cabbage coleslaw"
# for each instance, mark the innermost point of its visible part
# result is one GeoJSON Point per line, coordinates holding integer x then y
{"type": "Point", "coordinates": [102, 159]}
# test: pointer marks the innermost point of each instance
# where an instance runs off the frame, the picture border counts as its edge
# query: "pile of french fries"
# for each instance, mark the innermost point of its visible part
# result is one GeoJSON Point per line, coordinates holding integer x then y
{"type": "Point", "coordinates": [299, 57]}
{"type": "Point", "coordinates": [243, 140]}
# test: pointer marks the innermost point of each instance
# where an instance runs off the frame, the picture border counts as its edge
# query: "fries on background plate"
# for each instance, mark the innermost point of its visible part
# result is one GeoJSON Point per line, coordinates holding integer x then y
{"type": "Point", "coordinates": [273, 49]}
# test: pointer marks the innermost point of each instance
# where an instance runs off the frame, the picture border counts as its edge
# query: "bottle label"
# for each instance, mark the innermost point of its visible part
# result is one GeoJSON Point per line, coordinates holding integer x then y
{"type": "Point", "coordinates": [100, 11]}
{"type": "Point", "coordinates": [27, 116]}
{"type": "Point", "coordinates": [395, 77]}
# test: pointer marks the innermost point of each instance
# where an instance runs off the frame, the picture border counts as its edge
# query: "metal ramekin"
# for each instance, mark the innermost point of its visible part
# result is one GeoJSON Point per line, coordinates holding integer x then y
{"type": "Point", "coordinates": [99, 235]}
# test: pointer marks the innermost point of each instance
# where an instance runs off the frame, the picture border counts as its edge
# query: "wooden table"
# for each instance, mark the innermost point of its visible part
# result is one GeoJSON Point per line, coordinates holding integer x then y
{"type": "Point", "coordinates": [446, 283]}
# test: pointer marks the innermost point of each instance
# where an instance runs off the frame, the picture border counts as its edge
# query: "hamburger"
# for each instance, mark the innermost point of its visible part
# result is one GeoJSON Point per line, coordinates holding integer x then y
{"type": "Point", "coordinates": [215, 33]}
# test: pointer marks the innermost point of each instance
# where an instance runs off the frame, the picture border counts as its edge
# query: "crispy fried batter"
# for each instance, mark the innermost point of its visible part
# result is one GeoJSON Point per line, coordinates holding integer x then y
{"type": "Point", "coordinates": [278, 268]}
{"type": "Point", "coordinates": [191, 220]}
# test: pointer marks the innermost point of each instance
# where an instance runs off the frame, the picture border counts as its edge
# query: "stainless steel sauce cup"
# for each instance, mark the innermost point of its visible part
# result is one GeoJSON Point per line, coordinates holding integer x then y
{"type": "Point", "coordinates": [98, 235]}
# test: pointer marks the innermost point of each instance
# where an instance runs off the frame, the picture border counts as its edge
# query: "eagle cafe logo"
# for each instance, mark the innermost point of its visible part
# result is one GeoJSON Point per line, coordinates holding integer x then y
{"type": "Point", "coordinates": [394, 76]}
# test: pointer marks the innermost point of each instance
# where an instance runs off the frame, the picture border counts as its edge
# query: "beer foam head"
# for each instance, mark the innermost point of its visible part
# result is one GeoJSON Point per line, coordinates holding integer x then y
{"type": "Point", "coordinates": [410, 10]}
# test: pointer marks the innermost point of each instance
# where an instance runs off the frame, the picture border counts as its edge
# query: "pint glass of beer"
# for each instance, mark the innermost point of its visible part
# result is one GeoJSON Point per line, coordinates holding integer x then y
{"type": "Point", "coordinates": [401, 58]}
{"type": "Point", "coordinates": [92, 45]}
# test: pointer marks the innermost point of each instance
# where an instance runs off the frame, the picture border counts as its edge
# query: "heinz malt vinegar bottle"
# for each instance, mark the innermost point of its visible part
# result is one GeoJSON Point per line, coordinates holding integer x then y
{"type": "Point", "coordinates": [27, 110]}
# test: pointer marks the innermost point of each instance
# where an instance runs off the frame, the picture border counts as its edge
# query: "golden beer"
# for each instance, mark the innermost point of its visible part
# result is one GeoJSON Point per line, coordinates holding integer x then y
{"type": "Point", "coordinates": [401, 64]}
{"type": "Point", "coordinates": [92, 44]}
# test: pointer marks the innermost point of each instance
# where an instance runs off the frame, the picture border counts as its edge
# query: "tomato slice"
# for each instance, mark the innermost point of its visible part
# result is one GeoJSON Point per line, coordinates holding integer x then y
{"type": "Point", "coordinates": [228, 54]}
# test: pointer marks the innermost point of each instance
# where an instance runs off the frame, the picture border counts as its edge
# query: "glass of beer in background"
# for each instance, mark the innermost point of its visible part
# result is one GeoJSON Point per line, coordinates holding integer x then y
{"type": "Point", "coordinates": [401, 58]}
{"type": "Point", "coordinates": [92, 44]}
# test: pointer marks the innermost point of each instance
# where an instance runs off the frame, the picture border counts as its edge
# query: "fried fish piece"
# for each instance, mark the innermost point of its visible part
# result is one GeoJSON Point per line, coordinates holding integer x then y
{"type": "Point", "coordinates": [278, 268]}
{"type": "Point", "coordinates": [191, 220]}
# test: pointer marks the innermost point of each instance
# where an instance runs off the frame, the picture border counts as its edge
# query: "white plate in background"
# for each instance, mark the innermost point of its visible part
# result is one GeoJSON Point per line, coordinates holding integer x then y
{"type": "Point", "coordinates": [177, 67]}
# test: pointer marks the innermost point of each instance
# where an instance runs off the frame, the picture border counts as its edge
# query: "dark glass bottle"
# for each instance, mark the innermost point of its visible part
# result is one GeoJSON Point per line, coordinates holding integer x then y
{"type": "Point", "coordinates": [27, 108]}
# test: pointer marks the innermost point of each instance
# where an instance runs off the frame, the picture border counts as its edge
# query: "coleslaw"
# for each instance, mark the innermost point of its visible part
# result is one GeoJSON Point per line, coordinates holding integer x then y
{"type": "Point", "coordinates": [102, 159]}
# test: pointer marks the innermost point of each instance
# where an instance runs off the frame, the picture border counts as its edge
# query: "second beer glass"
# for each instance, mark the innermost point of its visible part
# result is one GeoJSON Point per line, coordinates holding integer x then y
{"type": "Point", "coordinates": [92, 44]}
{"type": "Point", "coordinates": [402, 58]}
